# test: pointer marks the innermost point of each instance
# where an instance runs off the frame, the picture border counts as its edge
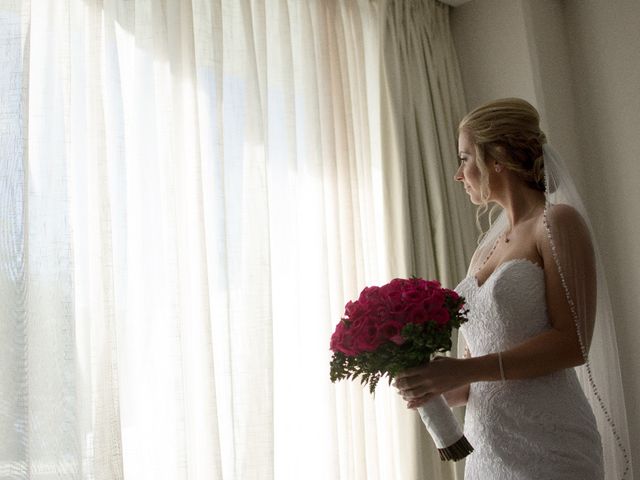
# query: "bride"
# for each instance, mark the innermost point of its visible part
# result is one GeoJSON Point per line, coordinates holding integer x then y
{"type": "Point", "coordinates": [531, 292]}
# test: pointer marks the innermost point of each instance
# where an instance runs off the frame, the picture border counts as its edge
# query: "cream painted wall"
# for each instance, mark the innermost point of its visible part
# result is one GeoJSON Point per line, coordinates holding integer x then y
{"type": "Point", "coordinates": [497, 37]}
{"type": "Point", "coordinates": [548, 49]}
{"type": "Point", "coordinates": [579, 62]}
{"type": "Point", "coordinates": [605, 57]}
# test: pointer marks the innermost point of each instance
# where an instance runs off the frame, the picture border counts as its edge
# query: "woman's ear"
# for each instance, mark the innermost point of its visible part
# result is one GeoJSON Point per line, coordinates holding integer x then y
{"type": "Point", "coordinates": [496, 153]}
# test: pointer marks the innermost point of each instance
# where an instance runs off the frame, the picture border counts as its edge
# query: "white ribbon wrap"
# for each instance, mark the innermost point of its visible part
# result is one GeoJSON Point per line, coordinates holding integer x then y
{"type": "Point", "coordinates": [440, 422]}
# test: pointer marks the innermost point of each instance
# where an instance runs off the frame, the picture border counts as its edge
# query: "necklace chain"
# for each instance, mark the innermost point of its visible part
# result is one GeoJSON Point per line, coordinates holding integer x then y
{"type": "Point", "coordinates": [490, 254]}
{"type": "Point", "coordinates": [497, 242]}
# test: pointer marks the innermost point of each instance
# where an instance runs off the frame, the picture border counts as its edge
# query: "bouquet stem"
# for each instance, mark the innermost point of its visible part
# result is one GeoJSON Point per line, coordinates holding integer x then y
{"type": "Point", "coordinates": [444, 429]}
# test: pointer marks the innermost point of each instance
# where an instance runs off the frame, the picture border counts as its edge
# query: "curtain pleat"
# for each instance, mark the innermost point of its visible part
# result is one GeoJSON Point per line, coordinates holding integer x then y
{"type": "Point", "coordinates": [430, 218]}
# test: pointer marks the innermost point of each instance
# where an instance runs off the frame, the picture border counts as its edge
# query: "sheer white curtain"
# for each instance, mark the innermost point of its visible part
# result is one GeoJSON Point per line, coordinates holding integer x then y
{"type": "Point", "coordinates": [190, 191]}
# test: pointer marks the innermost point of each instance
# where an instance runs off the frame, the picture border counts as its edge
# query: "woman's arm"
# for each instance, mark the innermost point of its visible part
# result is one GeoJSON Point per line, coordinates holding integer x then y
{"type": "Point", "coordinates": [558, 347]}
{"type": "Point", "coordinates": [555, 349]}
{"type": "Point", "coordinates": [458, 396]}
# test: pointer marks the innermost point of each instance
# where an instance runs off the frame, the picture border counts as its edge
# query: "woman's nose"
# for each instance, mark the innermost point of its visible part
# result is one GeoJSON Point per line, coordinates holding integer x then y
{"type": "Point", "coordinates": [458, 174]}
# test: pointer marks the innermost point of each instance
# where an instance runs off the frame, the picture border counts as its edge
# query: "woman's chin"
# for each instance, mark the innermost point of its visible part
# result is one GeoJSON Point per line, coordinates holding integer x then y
{"type": "Point", "coordinates": [474, 199]}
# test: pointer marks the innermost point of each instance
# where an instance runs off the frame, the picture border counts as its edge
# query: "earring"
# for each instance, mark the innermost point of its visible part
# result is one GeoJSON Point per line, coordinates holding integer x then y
{"type": "Point", "coordinates": [498, 168]}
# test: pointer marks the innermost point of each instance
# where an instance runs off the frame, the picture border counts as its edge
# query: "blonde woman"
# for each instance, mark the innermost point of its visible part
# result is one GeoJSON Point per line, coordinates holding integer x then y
{"type": "Point", "coordinates": [534, 292]}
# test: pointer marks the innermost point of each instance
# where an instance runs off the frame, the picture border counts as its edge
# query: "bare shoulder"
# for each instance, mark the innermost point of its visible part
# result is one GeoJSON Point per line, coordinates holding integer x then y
{"type": "Point", "coordinates": [565, 223]}
{"type": "Point", "coordinates": [560, 217]}
{"type": "Point", "coordinates": [565, 214]}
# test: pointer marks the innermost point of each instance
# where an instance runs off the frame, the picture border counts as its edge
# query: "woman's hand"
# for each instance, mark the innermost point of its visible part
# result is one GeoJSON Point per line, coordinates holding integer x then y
{"type": "Point", "coordinates": [419, 385]}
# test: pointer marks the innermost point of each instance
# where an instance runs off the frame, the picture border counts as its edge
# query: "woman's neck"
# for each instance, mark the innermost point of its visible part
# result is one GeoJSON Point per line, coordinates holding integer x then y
{"type": "Point", "coordinates": [520, 202]}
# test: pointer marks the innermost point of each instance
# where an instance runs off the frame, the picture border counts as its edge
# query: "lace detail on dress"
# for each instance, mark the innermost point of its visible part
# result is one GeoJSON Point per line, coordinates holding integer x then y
{"type": "Point", "coordinates": [541, 428]}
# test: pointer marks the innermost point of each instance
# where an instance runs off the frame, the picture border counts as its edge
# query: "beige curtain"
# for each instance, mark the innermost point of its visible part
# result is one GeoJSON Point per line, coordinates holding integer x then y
{"type": "Point", "coordinates": [431, 217]}
{"type": "Point", "coordinates": [190, 192]}
{"type": "Point", "coordinates": [427, 101]}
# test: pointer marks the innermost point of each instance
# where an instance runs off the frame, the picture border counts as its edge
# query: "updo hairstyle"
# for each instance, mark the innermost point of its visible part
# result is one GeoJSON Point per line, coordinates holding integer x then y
{"type": "Point", "coordinates": [507, 131]}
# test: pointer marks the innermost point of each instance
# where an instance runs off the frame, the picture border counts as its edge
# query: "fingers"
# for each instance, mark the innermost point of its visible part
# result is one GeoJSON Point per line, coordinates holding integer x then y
{"type": "Point", "coordinates": [409, 376]}
{"type": "Point", "coordinates": [412, 394]}
{"type": "Point", "coordinates": [411, 372]}
{"type": "Point", "coordinates": [410, 383]}
{"type": "Point", "coordinates": [418, 402]}
{"type": "Point", "coordinates": [413, 385]}
{"type": "Point", "coordinates": [416, 384]}
{"type": "Point", "coordinates": [419, 385]}
{"type": "Point", "coordinates": [400, 383]}
{"type": "Point", "coordinates": [416, 392]}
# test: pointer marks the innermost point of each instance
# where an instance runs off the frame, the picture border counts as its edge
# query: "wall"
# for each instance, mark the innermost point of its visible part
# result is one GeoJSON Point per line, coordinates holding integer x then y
{"type": "Point", "coordinates": [479, 37]}
{"type": "Point", "coordinates": [605, 59]}
{"type": "Point", "coordinates": [579, 62]}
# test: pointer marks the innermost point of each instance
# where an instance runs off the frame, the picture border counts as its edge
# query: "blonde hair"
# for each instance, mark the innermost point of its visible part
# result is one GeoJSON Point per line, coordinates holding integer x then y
{"type": "Point", "coordinates": [507, 131]}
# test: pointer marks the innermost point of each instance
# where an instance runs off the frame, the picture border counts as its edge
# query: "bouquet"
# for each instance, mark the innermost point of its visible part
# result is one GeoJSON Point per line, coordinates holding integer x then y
{"type": "Point", "coordinates": [399, 326]}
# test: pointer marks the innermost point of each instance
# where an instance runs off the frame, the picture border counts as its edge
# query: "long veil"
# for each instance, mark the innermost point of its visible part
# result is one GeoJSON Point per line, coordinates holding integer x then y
{"type": "Point", "coordinates": [600, 375]}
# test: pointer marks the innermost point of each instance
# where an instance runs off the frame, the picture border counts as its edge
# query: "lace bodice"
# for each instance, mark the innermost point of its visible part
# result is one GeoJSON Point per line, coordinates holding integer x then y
{"type": "Point", "coordinates": [539, 428]}
{"type": "Point", "coordinates": [516, 298]}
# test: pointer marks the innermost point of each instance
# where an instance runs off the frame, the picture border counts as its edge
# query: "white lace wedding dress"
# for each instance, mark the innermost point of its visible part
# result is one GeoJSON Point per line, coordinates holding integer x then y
{"type": "Point", "coordinates": [540, 428]}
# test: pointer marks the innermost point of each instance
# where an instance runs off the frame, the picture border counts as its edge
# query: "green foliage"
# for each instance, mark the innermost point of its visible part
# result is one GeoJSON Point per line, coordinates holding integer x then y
{"type": "Point", "coordinates": [422, 341]}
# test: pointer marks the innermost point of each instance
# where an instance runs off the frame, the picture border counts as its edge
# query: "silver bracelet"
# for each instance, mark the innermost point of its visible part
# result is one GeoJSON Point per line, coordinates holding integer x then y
{"type": "Point", "coordinates": [501, 367]}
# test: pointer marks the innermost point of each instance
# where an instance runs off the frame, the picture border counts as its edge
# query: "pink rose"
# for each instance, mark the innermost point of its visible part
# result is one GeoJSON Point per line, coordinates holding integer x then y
{"type": "Point", "coordinates": [367, 340]}
{"type": "Point", "coordinates": [342, 341]}
{"type": "Point", "coordinates": [390, 331]}
{"type": "Point", "coordinates": [433, 284]}
{"type": "Point", "coordinates": [453, 295]}
{"type": "Point", "coordinates": [439, 315]}
{"type": "Point", "coordinates": [436, 298]}
{"type": "Point", "coordinates": [413, 295]}
{"type": "Point", "coordinates": [369, 294]}
{"type": "Point", "coordinates": [336, 338]}
{"type": "Point", "coordinates": [399, 309]}
{"type": "Point", "coordinates": [390, 294]}
{"type": "Point", "coordinates": [354, 309]}
{"type": "Point", "coordinates": [348, 346]}
{"type": "Point", "coordinates": [417, 314]}
{"type": "Point", "coordinates": [357, 325]}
